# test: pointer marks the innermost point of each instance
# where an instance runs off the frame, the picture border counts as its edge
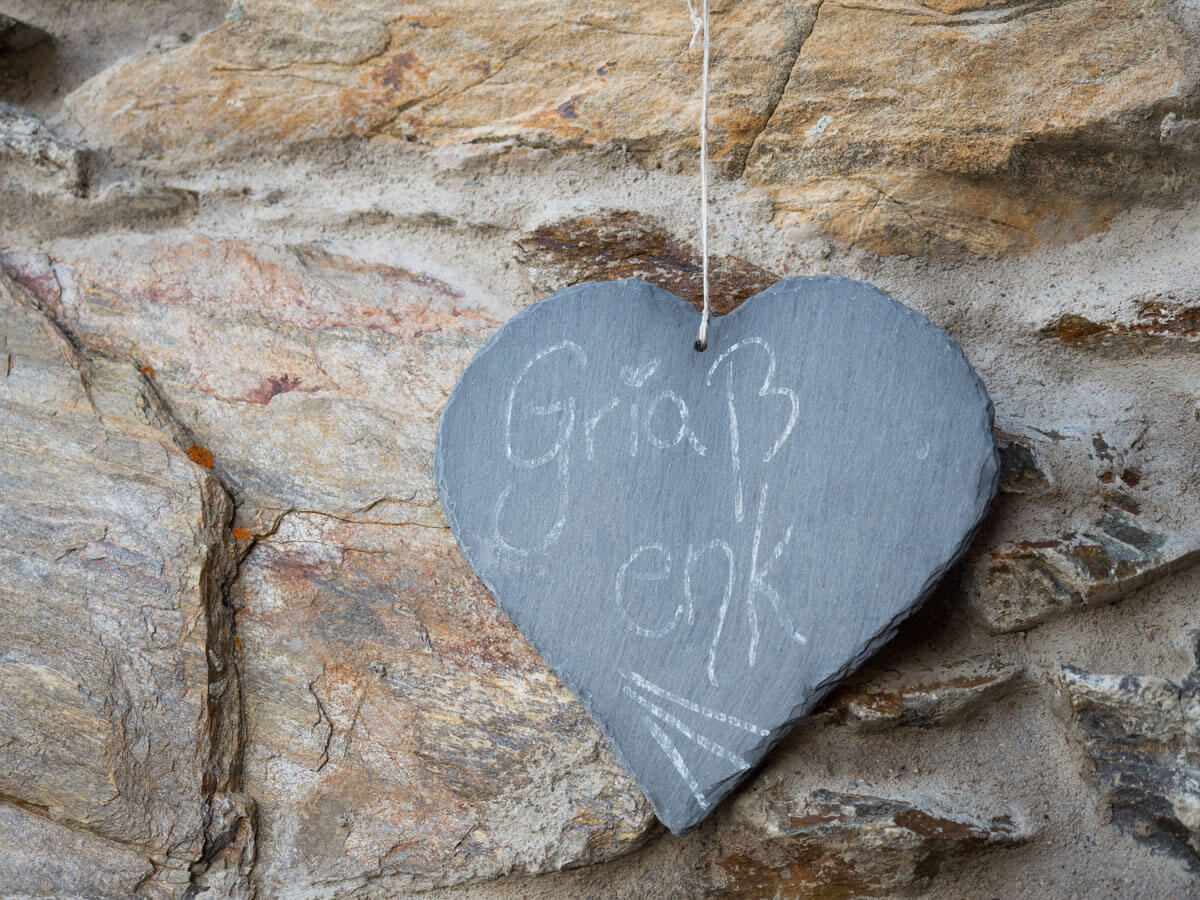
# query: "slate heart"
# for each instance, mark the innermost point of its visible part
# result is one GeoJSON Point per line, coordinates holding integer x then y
{"type": "Point", "coordinates": [702, 544]}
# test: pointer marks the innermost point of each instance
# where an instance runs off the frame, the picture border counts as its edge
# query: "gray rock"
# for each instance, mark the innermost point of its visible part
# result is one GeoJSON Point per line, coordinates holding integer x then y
{"type": "Point", "coordinates": [924, 698]}
{"type": "Point", "coordinates": [703, 544]}
{"type": "Point", "coordinates": [1027, 582]}
{"type": "Point", "coordinates": [1022, 470]}
{"type": "Point", "coordinates": [25, 139]}
{"type": "Point", "coordinates": [854, 844]}
{"type": "Point", "coordinates": [1142, 738]}
{"type": "Point", "coordinates": [40, 857]}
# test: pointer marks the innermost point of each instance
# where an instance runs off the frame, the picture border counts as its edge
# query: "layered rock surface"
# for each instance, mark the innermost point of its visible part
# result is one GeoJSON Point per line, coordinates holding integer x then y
{"type": "Point", "coordinates": [403, 730]}
{"type": "Point", "coordinates": [1141, 736]}
{"type": "Point", "coordinates": [1028, 582]}
{"type": "Point", "coordinates": [977, 125]}
{"type": "Point", "coordinates": [116, 559]}
{"type": "Point", "coordinates": [854, 844]}
{"type": "Point", "coordinates": [398, 728]}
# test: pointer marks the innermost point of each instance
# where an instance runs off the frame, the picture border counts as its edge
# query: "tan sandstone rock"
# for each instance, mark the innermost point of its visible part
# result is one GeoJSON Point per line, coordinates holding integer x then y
{"type": "Point", "coordinates": [985, 126]}
{"type": "Point", "coordinates": [314, 380]}
{"type": "Point", "coordinates": [402, 733]}
{"type": "Point", "coordinates": [564, 74]}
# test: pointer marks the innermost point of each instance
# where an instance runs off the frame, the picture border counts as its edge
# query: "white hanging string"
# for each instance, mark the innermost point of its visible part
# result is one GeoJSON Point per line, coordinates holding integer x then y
{"type": "Point", "coordinates": [700, 29]}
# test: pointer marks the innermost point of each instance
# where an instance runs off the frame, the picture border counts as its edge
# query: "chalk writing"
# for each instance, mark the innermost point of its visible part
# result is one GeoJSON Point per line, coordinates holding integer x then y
{"type": "Point", "coordinates": [699, 543]}
{"type": "Point", "coordinates": [661, 408]}
{"type": "Point", "coordinates": [765, 389]}
{"type": "Point", "coordinates": [658, 691]}
{"type": "Point", "coordinates": [659, 573]}
{"type": "Point", "coordinates": [640, 690]}
{"type": "Point", "coordinates": [650, 573]}
{"type": "Point", "coordinates": [559, 450]}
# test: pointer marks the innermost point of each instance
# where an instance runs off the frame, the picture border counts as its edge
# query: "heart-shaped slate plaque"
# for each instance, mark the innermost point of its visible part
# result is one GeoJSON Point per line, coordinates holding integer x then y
{"type": "Point", "coordinates": [702, 544]}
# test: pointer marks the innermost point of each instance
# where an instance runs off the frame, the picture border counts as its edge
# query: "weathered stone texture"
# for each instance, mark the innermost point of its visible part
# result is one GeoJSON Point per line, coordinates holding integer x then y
{"type": "Point", "coordinates": [323, 424]}
{"type": "Point", "coordinates": [266, 237]}
{"type": "Point", "coordinates": [40, 857]}
{"type": "Point", "coordinates": [831, 843]}
{"type": "Point", "coordinates": [1141, 735]}
{"type": "Point", "coordinates": [1153, 320]}
{"type": "Point", "coordinates": [989, 126]}
{"type": "Point", "coordinates": [330, 402]}
{"type": "Point", "coordinates": [25, 139]}
{"type": "Point", "coordinates": [115, 556]}
{"type": "Point", "coordinates": [620, 244]}
{"type": "Point", "coordinates": [401, 730]}
{"type": "Point", "coordinates": [984, 126]}
{"type": "Point", "coordinates": [1027, 582]}
{"type": "Point", "coordinates": [1022, 470]}
{"type": "Point", "coordinates": [567, 75]}
{"type": "Point", "coordinates": [935, 695]}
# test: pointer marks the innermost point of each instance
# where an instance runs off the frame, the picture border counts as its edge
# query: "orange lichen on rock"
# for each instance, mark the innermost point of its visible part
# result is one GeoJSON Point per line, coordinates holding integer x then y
{"type": "Point", "coordinates": [201, 456]}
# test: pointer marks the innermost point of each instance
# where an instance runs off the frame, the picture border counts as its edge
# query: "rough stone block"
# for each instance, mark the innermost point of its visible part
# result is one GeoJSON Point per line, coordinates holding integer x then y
{"type": "Point", "coordinates": [1141, 735]}
{"type": "Point", "coordinates": [1027, 582]}
{"type": "Point", "coordinates": [924, 697]}
{"type": "Point", "coordinates": [115, 555]}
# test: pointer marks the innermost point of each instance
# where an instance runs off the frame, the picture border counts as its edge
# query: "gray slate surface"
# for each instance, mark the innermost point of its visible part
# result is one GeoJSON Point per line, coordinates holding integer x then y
{"type": "Point", "coordinates": [702, 544]}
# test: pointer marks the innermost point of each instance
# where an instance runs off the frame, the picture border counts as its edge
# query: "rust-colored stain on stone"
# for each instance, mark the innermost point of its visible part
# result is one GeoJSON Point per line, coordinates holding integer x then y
{"type": "Point", "coordinates": [922, 823]}
{"type": "Point", "coordinates": [923, 698]}
{"type": "Point", "coordinates": [33, 271]}
{"type": "Point", "coordinates": [831, 844]}
{"type": "Point", "coordinates": [1071, 328]}
{"type": "Point", "coordinates": [624, 244]}
{"type": "Point", "coordinates": [866, 695]}
{"type": "Point", "coordinates": [1045, 544]}
{"type": "Point", "coordinates": [1158, 317]}
{"type": "Point", "coordinates": [201, 456]}
{"type": "Point", "coordinates": [272, 386]}
{"type": "Point", "coordinates": [1167, 317]}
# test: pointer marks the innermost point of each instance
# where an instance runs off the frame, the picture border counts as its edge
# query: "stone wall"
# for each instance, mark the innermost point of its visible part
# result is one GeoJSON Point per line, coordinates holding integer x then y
{"type": "Point", "coordinates": [246, 251]}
